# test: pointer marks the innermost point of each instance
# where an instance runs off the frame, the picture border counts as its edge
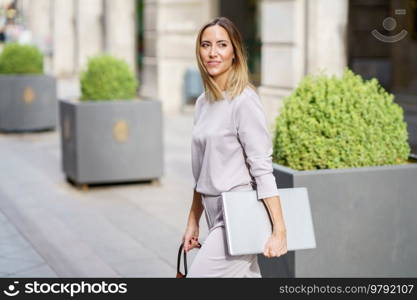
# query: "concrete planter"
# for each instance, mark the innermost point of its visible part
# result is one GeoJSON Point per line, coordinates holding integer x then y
{"type": "Point", "coordinates": [27, 102]}
{"type": "Point", "coordinates": [111, 141]}
{"type": "Point", "coordinates": [365, 220]}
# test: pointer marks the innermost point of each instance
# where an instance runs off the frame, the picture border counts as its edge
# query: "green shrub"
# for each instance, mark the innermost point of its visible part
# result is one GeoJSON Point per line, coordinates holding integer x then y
{"type": "Point", "coordinates": [21, 59]}
{"type": "Point", "coordinates": [329, 123]}
{"type": "Point", "coordinates": [107, 78]}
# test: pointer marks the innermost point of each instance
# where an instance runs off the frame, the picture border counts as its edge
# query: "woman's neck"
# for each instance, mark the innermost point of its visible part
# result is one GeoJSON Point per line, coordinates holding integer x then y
{"type": "Point", "coordinates": [221, 80]}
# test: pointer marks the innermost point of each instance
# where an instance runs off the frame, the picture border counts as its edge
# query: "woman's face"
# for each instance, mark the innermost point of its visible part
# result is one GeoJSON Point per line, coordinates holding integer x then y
{"type": "Point", "coordinates": [216, 50]}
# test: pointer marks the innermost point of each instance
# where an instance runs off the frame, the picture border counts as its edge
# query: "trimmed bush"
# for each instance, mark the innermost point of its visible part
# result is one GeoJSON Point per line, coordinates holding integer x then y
{"type": "Point", "coordinates": [107, 78]}
{"type": "Point", "coordinates": [329, 123]}
{"type": "Point", "coordinates": [21, 59]}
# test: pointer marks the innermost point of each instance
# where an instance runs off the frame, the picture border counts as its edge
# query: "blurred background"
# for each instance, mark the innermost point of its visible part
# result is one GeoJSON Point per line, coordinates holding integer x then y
{"type": "Point", "coordinates": [284, 41]}
{"type": "Point", "coordinates": [51, 228]}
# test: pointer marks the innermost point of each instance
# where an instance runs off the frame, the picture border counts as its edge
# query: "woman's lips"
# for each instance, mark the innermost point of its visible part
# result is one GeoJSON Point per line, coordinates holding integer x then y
{"type": "Point", "coordinates": [213, 63]}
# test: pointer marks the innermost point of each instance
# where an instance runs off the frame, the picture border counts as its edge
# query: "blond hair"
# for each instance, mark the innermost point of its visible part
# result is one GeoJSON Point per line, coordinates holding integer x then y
{"type": "Point", "coordinates": [238, 78]}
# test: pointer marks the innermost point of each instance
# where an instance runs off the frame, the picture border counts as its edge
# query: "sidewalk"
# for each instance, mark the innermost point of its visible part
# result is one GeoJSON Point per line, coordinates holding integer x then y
{"type": "Point", "coordinates": [50, 228]}
{"type": "Point", "coordinates": [17, 256]}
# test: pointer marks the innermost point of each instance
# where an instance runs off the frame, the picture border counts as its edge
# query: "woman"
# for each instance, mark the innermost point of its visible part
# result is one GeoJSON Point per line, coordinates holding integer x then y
{"type": "Point", "coordinates": [231, 150]}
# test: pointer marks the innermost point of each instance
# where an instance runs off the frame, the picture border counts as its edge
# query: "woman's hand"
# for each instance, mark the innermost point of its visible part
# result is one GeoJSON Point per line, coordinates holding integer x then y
{"type": "Point", "coordinates": [190, 238]}
{"type": "Point", "coordinates": [276, 244]}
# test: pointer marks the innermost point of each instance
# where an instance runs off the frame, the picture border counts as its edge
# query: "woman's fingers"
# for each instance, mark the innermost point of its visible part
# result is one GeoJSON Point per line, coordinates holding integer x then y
{"type": "Point", "coordinates": [194, 242]}
{"type": "Point", "coordinates": [190, 243]}
{"type": "Point", "coordinates": [270, 252]}
{"type": "Point", "coordinates": [187, 242]}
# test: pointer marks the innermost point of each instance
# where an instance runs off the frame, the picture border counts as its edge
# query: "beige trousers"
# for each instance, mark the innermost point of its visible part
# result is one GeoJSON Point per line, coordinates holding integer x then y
{"type": "Point", "coordinates": [213, 259]}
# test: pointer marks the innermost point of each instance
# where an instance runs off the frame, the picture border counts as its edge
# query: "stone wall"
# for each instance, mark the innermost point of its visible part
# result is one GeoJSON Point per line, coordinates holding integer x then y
{"type": "Point", "coordinates": [70, 31]}
{"type": "Point", "coordinates": [299, 37]}
{"type": "Point", "coordinates": [171, 27]}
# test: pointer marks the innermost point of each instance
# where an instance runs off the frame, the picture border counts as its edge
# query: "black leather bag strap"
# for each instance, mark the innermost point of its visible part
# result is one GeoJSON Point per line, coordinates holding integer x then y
{"type": "Point", "coordinates": [180, 252]}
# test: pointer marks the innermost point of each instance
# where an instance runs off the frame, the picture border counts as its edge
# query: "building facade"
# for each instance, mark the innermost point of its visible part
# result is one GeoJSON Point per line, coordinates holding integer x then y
{"type": "Point", "coordinates": [70, 31]}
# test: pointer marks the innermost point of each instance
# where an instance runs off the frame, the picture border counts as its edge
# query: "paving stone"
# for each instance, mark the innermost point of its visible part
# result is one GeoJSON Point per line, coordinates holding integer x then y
{"type": "Point", "coordinates": [146, 268]}
{"type": "Point", "coordinates": [25, 254]}
{"type": "Point", "coordinates": [12, 244]}
{"type": "Point", "coordinates": [42, 271]}
{"type": "Point", "coordinates": [9, 265]}
{"type": "Point", "coordinates": [7, 230]}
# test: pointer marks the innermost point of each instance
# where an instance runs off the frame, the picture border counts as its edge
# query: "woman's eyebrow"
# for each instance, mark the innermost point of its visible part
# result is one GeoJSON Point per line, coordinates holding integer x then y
{"type": "Point", "coordinates": [220, 41]}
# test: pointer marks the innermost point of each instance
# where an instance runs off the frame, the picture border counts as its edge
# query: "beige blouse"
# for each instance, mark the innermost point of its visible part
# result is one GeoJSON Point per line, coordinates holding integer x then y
{"type": "Point", "coordinates": [219, 162]}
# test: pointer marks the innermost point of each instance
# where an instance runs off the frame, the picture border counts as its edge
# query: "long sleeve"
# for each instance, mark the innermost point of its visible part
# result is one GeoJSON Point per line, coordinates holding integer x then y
{"type": "Point", "coordinates": [252, 131]}
{"type": "Point", "coordinates": [196, 159]}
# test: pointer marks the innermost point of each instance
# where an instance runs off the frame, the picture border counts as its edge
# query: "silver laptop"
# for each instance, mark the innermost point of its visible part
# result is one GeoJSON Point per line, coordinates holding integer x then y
{"type": "Point", "coordinates": [248, 226]}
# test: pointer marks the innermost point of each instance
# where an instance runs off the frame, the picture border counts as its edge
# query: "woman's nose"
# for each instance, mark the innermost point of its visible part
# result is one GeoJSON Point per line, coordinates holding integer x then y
{"type": "Point", "coordinates": [213, 51]}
